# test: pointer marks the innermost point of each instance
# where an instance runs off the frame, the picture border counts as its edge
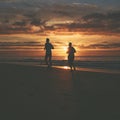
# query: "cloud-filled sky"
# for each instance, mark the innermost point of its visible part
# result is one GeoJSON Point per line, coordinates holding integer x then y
{"type": "Point", "coordinates": [83, 18]}
{"type": "Point", "coordinates": [28, 16]}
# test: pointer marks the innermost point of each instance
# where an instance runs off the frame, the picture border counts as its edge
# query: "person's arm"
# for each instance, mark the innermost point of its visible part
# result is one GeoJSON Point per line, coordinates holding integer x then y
{"type": "Point", "coordinates": [45, 47]}
{"type": "Point", "coordinates": [75, 50]}
{"type": "Point", "coordinates": [52, 46]}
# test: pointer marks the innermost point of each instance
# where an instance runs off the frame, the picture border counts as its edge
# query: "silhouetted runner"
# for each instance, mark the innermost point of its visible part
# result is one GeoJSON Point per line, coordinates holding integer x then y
{"type": "Point", "coordinates": [48, 54]}
{"type": "Point", "coordinates": [71, 50]}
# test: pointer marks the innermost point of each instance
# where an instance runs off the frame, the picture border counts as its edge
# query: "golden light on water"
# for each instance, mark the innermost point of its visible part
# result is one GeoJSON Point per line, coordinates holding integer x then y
{"type": "Point", "coordinates": [65, 67]}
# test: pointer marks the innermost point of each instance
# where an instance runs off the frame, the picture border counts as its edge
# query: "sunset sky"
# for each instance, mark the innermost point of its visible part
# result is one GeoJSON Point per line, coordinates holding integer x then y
{"type": "Point", "coordinates": [93, 26]}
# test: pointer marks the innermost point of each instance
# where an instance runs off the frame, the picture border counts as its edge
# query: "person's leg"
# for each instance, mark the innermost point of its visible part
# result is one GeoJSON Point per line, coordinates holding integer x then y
{"type": "Point", "coordinates": [73, 66]}
{"type": "Point", "coordinates": [70, 64]}
{"type": "Point", "coordinates": [46, 59]}
{"type": "Point", "coordinates": [50, 60]}
{"type": "Point", "coordinates": [73, 63]}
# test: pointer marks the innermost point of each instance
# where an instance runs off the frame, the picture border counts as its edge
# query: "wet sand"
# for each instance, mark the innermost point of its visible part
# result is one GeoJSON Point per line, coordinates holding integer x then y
{"type": "Point", "coordinates": [37, 93]}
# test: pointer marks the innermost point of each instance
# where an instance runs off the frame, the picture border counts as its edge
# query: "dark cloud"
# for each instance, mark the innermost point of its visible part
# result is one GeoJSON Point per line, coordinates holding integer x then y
{"type": "Point", "coordinates": [96, 23]}
{"type": "Point", "coordinates": [73, 11]}
{"type": "Point", "coordinates": [82, 16]}
{"type": "Point", "coordinates": [10, 29]}
{"type": "Point", "coordinates": [108, 23]}
{"type": "Point", "coordinates": [21, 45]}
{"type": "Point", "coordinates": [38, 22]}
{"type": "Point", "coordinates": [20, 23]}
{"type": "Point", "coordinates": [104, 20]}
{"type": "Point", "coordinates": [32, 43]}
{"type": "Point", "coordinates": [101, 46]}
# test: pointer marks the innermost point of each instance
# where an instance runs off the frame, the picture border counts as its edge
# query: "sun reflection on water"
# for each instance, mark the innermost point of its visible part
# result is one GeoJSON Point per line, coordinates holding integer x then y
{"type": "Point", "coordinates": [65, 67]}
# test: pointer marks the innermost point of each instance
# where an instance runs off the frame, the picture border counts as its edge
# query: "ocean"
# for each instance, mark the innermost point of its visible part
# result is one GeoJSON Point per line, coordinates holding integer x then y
{"type": "Point", "coordinates": [96, 63]}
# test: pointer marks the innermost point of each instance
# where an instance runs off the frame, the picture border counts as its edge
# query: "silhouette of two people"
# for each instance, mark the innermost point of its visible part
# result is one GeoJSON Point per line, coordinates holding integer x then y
{"type": "Point", "coordinates": [48, 54]}
{"type": "Point", "coordinates": [70, 51]}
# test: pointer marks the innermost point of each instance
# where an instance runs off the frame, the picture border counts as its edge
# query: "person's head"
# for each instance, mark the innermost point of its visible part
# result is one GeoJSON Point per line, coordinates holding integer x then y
{"type": "Point", "coordinates": [70, 44]}
{"type": "Point", "coordinates": [47, 40]}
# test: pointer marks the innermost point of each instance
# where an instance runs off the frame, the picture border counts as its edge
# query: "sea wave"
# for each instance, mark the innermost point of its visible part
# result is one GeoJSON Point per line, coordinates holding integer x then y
{"type": "Point", "coordinates": [110, 63]}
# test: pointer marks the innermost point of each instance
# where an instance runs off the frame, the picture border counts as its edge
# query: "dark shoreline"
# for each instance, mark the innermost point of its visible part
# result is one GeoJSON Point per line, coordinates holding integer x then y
{"type": "Point", "coordinates": [33, 92]}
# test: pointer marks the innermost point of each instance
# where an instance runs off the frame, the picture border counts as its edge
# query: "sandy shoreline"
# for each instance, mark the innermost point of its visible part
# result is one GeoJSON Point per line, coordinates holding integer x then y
{"type": "Point", "coordinates": [32, 92]}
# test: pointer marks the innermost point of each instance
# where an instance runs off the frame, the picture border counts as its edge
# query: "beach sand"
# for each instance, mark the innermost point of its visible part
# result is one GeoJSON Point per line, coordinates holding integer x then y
{"type": "Point", "coordinates": [37, 93]}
